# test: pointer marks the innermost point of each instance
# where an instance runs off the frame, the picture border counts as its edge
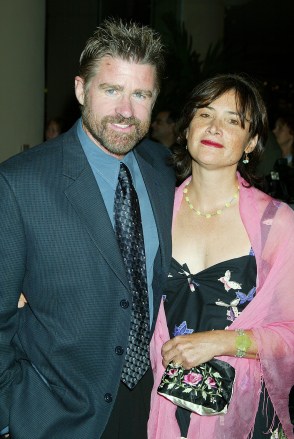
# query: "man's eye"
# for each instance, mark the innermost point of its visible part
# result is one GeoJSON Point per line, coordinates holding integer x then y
{"type": "Point", "coordinates": [110, 91]}
{"type": "Point", "coordinates": [139, 95]}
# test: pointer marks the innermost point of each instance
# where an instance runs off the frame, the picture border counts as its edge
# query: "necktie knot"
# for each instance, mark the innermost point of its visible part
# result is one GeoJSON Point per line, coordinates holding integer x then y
{"type": "Point", "coordinates": [125, 175]}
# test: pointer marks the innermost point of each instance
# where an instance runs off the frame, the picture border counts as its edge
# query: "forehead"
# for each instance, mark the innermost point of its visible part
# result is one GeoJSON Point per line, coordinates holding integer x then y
{"type": "Point", "coordinates": [118, 71]}
{"type": "Point", "coordinates": [228, 98]}
{"type": "Point", "coordinates": [230, 102]}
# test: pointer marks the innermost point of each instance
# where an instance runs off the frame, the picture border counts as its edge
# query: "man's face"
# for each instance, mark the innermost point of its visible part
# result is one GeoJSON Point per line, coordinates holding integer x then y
{"type": "Point", "coordinates": [117, 104]}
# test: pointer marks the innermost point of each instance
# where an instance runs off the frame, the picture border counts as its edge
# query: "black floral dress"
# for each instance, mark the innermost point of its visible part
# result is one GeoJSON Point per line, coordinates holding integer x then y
{"type": "Point", "coordinates": [209, 300]}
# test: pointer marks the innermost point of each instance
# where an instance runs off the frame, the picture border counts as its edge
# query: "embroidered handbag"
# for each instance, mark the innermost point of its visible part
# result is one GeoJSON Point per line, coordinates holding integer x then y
{"type": "Point", "coordinates": [206, 389]}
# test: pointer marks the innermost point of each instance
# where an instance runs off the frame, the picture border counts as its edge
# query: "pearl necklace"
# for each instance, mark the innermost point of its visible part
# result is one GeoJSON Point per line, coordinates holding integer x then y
{"type": "Point", "coordinates": [209, 214]}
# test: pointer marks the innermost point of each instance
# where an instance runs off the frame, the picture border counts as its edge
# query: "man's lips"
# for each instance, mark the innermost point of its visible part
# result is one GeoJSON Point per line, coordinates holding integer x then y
{"type": "Point", "coordinates": [210, 143]}
{"type": "Point", "coordinates": [121, 126]}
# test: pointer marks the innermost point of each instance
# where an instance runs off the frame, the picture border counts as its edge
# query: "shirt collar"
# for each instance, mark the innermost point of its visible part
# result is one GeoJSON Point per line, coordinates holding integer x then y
{"type": "Point", "coordinates": [106, 165]}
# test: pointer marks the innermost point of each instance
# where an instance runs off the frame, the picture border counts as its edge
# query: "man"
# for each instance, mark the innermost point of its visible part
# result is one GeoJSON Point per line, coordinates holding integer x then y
{"type": "Point", "coordinates": [65, 356]}
{"type": "Point", "coordinates": [164, 128]}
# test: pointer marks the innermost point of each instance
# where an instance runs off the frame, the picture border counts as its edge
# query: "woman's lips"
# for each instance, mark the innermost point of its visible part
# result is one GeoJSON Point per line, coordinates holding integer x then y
{"type": "Point", "coordinates": [210, 143]}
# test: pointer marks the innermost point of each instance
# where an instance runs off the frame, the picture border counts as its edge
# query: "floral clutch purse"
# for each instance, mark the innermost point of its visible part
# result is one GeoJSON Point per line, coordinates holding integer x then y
{"type": "Point", "coordinates": [206, 389]}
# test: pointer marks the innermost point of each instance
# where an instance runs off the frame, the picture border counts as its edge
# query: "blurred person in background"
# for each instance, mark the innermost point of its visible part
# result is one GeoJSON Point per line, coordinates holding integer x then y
{"type": "Point", "coordinates": [164, 127]}
{"type": "Point", "coordinates": [284, 133]}
{"type": "Point", "coordinates": [54, 128]}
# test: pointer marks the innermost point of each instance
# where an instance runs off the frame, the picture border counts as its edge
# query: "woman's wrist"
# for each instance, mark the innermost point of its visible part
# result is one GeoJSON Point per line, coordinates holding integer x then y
{"type": "Point", "coordinates": [233, 342]}
{"type": "Point", "coordinates": [242, 344]}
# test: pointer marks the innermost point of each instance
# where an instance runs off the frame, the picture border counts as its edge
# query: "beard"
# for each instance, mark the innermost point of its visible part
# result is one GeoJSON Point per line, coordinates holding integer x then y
{"type": "Point", "coordinates": [114, 142]}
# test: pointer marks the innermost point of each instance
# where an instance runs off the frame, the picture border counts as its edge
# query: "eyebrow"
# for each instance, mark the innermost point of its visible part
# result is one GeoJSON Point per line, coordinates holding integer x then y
{"type": "Point", "coordinates": [106, 85]}
{"type": "Point", "coordinates": [233, 113]}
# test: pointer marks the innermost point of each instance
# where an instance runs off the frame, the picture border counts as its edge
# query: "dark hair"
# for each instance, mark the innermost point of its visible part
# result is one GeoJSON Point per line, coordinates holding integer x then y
{"type": "Point", "coordinates": [173, 116]}
{"type": "Point", "coordinates": [59, 122]}
{"type": "Point", "coordinates": [128, 41]}
{"type": "Point", "coordinates": [287, 118]}
{"type": "Point", "coordinates": [249, 102]}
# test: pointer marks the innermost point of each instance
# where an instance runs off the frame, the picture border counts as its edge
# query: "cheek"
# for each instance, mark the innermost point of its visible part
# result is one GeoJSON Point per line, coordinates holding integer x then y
{"type": "Point", "coordinates": [143, 112]}
{"type": "Point", "coordinates": [101, 107]}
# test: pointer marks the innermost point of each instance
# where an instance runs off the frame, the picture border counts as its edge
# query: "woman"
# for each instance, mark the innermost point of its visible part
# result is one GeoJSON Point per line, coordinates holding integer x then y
{"type": "Point", "coordinates": [229, 293]}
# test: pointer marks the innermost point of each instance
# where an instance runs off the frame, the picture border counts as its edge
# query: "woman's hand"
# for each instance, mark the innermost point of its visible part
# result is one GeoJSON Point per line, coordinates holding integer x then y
{"type": "Point", "coordinates": [193, 349]}
{"type": "Point", "coordinates": [21, 301]}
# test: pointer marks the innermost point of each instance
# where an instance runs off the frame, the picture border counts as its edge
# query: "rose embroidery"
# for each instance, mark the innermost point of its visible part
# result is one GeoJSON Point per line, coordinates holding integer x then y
{"type": "Point", "coordinates": [172, 372]}
{"type": "Point", "coordinates": [193, 378]}
{"type": "Point", "coordinates": [211, 382]}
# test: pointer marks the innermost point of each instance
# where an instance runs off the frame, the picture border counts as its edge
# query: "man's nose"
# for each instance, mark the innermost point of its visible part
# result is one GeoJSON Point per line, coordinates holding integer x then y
{"type": "Point", "coordinates": [125, 107]}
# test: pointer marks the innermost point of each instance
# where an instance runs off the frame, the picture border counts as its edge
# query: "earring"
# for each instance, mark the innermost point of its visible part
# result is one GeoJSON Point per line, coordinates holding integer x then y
{"type": "Point", "coordinates": [186, 147]}
{"type": "Point", "coordinates": [246, 159]}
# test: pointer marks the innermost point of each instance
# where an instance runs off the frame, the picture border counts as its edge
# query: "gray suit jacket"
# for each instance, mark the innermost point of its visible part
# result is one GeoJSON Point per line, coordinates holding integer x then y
{"type": "Point", "coordinates": [59, 366]}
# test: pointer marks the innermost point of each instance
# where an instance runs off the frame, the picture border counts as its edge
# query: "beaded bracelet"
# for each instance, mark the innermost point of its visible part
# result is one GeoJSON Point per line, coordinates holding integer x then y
{"type": "Point", "coordinates": [243, 343]}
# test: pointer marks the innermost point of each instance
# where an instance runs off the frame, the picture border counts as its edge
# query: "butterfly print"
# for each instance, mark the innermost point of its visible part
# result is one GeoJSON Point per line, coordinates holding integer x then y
{"type": "Point", "coordinates": [228, 284]}
{"type": "Point", "coordinates": [232, 312]}
{"type": "Point", "coordinates": [234, 302]}
{"type": "Point", "coordinates": [246, 297]}
{"type": "Point", "coordinates": [182, 329]}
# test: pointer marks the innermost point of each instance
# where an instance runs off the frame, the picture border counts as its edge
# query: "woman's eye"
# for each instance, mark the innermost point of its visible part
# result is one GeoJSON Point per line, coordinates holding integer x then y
{"type": "Point", "coordinates": [234, 121]}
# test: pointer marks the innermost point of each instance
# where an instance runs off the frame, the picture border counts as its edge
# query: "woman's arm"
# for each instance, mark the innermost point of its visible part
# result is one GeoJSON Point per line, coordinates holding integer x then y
{"type": "Point", "coordinates": [194, 349]}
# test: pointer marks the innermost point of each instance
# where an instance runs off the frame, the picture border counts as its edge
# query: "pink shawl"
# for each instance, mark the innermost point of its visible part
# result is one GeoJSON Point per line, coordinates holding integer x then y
{"type": "Point", "coordinates": [270, 227]}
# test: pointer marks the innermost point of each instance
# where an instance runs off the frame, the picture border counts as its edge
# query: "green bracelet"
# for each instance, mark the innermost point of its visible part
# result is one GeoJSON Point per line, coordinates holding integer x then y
{"type": "Point", "coordinates": [243, 343]}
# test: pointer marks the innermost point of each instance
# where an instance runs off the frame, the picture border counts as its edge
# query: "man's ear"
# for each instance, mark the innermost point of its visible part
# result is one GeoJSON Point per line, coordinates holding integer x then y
{"type": "Point", "coordinates": [79, 89]}
{"type": "Point", "coordinates": [251, 144]}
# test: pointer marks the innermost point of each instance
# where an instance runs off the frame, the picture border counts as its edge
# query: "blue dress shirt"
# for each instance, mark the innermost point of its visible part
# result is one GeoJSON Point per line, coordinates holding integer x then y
{"type": "Point", "coordinates": [106, 169]}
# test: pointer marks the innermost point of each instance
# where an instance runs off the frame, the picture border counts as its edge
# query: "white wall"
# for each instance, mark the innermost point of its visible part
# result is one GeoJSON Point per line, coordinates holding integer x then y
{"type": "Point", "coordinates": [22, 42]}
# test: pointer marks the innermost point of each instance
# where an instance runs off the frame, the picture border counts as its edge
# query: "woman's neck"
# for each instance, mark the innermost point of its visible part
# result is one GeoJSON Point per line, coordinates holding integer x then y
{"type": "Point", "coordinates": [212, 189]}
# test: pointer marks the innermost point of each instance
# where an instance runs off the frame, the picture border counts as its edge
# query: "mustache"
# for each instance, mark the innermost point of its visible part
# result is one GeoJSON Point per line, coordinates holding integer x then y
{"type": "Point", "coordinates": [121, 120]}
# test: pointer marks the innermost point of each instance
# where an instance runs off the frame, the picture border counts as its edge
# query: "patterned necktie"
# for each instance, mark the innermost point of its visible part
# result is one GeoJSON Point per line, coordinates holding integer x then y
{"type": "Point", "coordinates": [129, 234]}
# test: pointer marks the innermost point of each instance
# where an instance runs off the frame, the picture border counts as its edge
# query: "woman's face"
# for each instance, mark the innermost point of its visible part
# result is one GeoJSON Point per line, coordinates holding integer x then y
{"type": "Point", "coordinates": [215, 137]}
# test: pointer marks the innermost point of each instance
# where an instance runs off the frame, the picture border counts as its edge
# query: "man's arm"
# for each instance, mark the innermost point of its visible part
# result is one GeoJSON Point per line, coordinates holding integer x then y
{"type": "Point", "coordinates": [12, 268]}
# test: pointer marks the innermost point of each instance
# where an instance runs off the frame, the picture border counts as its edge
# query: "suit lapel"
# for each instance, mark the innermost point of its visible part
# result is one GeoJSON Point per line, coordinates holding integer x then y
{"type": "Point", "coordinates": [160, 197]}
{"type": "Point", "coordinates": [85, 196]}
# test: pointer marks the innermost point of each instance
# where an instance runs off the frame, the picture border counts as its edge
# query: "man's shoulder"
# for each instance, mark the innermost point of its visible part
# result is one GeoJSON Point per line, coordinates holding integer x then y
{"type": "Point", "coordinates": [42, 155]}
{"type": "Point", "coordinates": [154, 149]}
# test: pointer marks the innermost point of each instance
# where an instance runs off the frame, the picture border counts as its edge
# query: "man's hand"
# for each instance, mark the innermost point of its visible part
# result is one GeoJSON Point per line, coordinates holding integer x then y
{"type": "Point", "coordinates": [21, 303]}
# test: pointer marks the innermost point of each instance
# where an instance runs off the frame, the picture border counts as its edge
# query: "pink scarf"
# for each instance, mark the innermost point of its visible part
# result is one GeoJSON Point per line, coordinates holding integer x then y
{"type": "Point", "coordinates": [270, 227]}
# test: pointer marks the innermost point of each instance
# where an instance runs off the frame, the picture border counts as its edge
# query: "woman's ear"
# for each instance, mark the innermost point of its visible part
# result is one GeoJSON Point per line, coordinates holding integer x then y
{"type": "Point", "coordinates": [251, 144]}
{"type": "Point", "coordinates": [79, 89]}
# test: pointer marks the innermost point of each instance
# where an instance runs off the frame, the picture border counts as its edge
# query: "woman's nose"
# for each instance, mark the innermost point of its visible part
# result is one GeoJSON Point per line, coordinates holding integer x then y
{"type": "Point", "coordinates": [214, 126]}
